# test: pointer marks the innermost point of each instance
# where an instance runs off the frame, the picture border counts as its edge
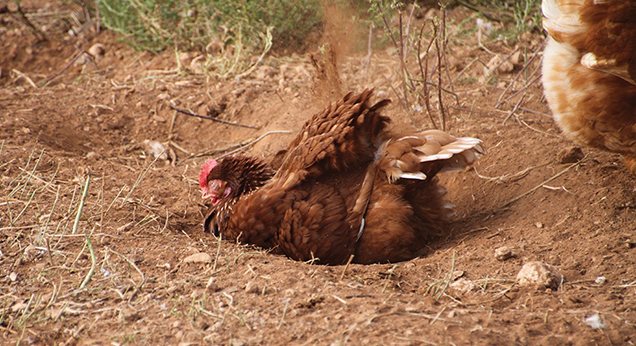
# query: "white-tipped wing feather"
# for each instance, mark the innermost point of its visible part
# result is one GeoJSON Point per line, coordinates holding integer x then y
{"type": "Point", "coordinates": [411, 157]}
{"type": "Point", "coordinates": [460, 145]}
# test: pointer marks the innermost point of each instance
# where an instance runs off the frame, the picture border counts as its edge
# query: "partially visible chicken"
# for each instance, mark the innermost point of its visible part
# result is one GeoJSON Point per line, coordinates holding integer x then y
{"type": "Point", "coordinates": [589, 72]}
{"type": "Point", "coordinates": [346, 186]}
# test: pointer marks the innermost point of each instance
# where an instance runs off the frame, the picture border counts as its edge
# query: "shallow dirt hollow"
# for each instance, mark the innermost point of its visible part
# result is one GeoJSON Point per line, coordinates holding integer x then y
{"type": "Point", "coordinates": [143, 213]}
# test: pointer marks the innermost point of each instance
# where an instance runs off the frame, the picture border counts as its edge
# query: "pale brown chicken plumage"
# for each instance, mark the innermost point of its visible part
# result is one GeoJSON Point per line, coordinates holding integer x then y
{"type": "Point", "coordinates": [589, 72]}
{"type": "Point", "coordinates": [347, 186]}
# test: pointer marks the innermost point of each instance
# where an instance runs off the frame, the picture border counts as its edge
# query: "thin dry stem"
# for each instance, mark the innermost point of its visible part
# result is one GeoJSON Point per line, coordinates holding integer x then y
{"type": "Point", "coordinates": [131, 263]}
{"type": "Point", "coordinates": [346, 266]}
{"type": "Point", "coordinates": [213, 119]}
{"type": "Point", "coordinates": [450, 277]}
{"type": "Point", "coordinates": [282, 319]}
{"type": "Point", "coordinates": [91, 271]}
{"type": "Point", "coordinates": [81, 205]}
{"type": "Point", "coordinates": [140, 178]}
{"type": "Point", "coordinates": [502, 207]}
{"type": "Point", "coordinates": [540, 49]}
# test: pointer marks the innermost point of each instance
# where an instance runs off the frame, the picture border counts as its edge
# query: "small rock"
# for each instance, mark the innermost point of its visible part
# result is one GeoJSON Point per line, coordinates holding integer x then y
{"type": "Point", "coordinates": [503, 253]}
{"type": "Point", "coordinates": [570, 155]}
{"type": "Point", "coordinates": [516, 58]}
{"type": "Point", "coordinates": [594, 321]}
{"type": "Point", "coordinates": [600, 280]}
{"type": "Point", "coordinates": [198, 293]}
{"type": "Point", "coordinates": [158, 118]}
{"type": "Point", "coordinates": [463, 285]}
{"type": "Point", "coordinates": [457, 274]}
{"type": "Point", "coordinates": [506, 67]}
{"type": "Point", "coordinates": [497, 65]}
{"type": "Point", "coordinates": [541, 274]}
{"type": "Point", "coordinates": [13, 276]}
{"type": "Point", "coordinates": [538, 224]}
{"type": "Point", "coordinates": [19, 306]}
{"type": "Point", "coordinates": [155, 149]}
{"type": "Point", "coordinates": [97, 51]}
{"type": "Point", "coordinates": [200, 257]}
{"type": "Point", "coordinates": [176, 324]}
{"type": "Point", "coordinates": [212, 286]}
{"type": "Point", "coordinates": [251, 287]}
{"type": "Point", "coordinates": [185, 58]}
{"type": "Point", "coordinates": [130, 314]}
{"type": "Point", "coordinates": [163, 96]}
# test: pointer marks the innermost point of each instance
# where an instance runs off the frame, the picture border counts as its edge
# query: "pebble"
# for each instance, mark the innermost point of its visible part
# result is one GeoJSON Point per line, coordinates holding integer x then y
{"type": "Point", "coordinates": [185, 58]}
{"type": "Point", "coordinates": [130, 314]}
{"type": "Point", "coordinates": [196, 294]}
{"type": "Point", "coordinates": [200, 257]}
{"type": "Point", "coordinates": [251, 287]}
{"type": "Point", "coordinates": [570, 155]}
{"type": "Point", "coordinates": [97, 50]}
{"type": "Point", "coordinates": [503, 253]}
{"type": "Point", "coordinates": [212, 286]}
{"type": "Point", "coordinates": [538, 273]}
{"type": "Point", "coordinates": [600, 280]}
{"type": "Point", "coordinates": [463, 285]}
{"type": "Point", "coordinates": [155, 149]}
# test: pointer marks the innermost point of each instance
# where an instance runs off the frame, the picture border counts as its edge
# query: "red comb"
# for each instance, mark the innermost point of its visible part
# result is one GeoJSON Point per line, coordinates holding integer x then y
{"type": "Point", "coordinates": [205, 170]}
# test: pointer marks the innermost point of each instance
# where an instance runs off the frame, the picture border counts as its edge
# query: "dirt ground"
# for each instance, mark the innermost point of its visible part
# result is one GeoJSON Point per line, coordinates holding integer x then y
{"type": "Point", "coordinates": [111, 264]}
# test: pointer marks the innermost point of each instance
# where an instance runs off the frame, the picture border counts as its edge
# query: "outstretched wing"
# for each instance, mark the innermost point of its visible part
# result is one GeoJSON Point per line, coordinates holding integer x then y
{"type": "Point", "coordinates": [422, 155]}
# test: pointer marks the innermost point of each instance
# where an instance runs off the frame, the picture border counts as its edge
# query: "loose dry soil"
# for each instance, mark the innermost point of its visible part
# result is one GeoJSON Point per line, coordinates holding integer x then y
{"type": "Point", "coordinates": [143, 216]}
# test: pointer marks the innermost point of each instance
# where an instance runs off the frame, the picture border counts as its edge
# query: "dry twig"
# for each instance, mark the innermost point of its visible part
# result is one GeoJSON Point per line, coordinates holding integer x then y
{"type": "Point", "coordinates": [213, 119]}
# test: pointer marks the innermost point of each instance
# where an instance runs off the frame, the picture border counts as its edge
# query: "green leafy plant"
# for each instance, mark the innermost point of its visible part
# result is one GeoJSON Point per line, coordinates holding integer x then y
{"type": "Point", "coordinates": [516, 17]}
{"type": "Point", "coordinates": [158, 24]}
{"type": "Point", "coordinates": [229, 32]}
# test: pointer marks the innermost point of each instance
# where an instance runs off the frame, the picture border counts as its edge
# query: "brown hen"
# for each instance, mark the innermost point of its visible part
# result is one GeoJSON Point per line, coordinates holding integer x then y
{"type": "Point", "coordinates": [346, 186]}
{"type": "Point", "coordinates": [589, 72]}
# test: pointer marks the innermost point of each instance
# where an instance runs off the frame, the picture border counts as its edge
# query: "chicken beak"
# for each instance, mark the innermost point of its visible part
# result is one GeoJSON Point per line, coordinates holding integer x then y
{"type": "Point", "coordinates": [205, 194]}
